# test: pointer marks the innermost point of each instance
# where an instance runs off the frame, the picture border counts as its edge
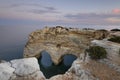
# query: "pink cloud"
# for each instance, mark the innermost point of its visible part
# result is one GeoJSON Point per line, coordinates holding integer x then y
{"type": "Point", "coordinates": [116, 11]}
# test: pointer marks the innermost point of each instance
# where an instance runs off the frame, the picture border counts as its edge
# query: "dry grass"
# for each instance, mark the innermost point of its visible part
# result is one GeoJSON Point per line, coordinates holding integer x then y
{"type": "Point", "coordinates": [102, 71]}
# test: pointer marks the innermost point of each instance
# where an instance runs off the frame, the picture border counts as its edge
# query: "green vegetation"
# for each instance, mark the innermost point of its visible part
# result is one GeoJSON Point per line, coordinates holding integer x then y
{"type": "Point", "coordinates": [115, 39]}
{"type": "Point", "coordinates": [102, 30]}
{"type": "Point", "coordinates": [115, 30]}
{"type": "Point", "coordinates": [97, 52]}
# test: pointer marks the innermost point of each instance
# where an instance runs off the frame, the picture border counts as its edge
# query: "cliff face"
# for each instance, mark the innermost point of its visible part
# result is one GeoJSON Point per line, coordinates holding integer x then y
{"type": "Point", "coordinates": [58, 41]}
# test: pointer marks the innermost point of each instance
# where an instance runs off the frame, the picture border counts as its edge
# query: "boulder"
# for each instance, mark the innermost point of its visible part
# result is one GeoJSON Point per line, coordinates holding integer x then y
{"type": "Point", "coordinates": [21, 69]}
{"type": "Point", "coordinates": [25, 66]}
{"type": "Point", "coordinates": [6, 71]}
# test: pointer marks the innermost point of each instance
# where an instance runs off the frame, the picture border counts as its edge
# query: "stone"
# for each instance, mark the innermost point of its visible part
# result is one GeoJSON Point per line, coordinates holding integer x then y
{"type": "Point", "coordinates": [21, 69]}
{"type": "Point", "coordinates": [25, 66]}
{"type": "Point", "coordinates": [59, 41]}
{"type": "Point", "coordinates": [35, 76]}
{"type": "Point", "coordinates": [67, 76]}
{"type": "Point", "coordinates": [83, 68]}
{"type": "Point", "coordinates": [111, 48]}
{"type": "Point", "coordinates": [80, 73]}
{"type": "Point", "coordinates": [115, 34]}
{"type": "Point", "coordinates": [6, 71]}
{"type": "Point", "coordinates": [113, 56]}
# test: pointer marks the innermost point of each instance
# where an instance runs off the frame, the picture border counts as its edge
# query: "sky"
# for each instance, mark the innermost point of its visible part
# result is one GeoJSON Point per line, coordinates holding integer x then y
{"type": "Point", "coordinates": [49, 12]}
{"type": "Point", "coordinates": [18, 18]}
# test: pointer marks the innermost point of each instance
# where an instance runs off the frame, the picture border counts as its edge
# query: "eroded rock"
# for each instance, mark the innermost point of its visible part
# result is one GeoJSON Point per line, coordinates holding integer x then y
{"type": "Point", "coordinates": [6, 71]}
{"type": "Point", "coordinates": [58, 41]}
{"type": "Point", "coordinates": [25, 67]}
{"type": "Point", "coordinates": [113, 56]}
{"type": "Point", "coordinates": [21, 69]}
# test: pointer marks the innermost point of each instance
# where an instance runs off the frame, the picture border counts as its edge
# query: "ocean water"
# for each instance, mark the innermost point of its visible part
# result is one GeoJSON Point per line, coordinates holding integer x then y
{"type": "Point", "coordinates": [13, 40]}
{"type": "Point", "coordinates": [49, 69]}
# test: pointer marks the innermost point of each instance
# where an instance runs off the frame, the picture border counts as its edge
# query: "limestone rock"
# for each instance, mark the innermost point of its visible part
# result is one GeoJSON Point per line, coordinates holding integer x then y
{"type": "Point", "coordinates": [111, 48]}
{"type": "Point", "coordinates": [113, 56]}
{"type": "Point", "coordinates": [25, 66]}
{"type": "Point", "coordinates": [21, 69]}
{"type": "Point", "coordinates": [58, 41]}
{"type": "Point", "coordinates": [67, 76]}
{"type": "Point", "coordinates": [6, 71]}
{"type": "Point", "coordinates": [80, 73]}
{"type": "Point", "coordinates": [86, 69]}
{"type": "Point", "coordinates": [35, 76]}
{"type": "Point", "coordinates": [76, 72]}
{"type": "Point", "coordinates": [115, 34]}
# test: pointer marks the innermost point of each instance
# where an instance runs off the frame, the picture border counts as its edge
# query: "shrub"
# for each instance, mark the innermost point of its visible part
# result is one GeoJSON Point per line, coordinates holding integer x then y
{"type": "Point", "coordinates": [115, 30]}
{"type": "Point", "coordinates": [97, 52]}
{"type": "Point", "coordinates": [115, 39]}
{"type": "Point", "coordinates": [104, 30]}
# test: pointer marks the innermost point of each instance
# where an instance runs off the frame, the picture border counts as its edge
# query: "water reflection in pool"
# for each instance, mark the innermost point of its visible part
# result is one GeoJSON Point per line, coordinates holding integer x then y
{"type": "Point", "coordinates": [49, 69]}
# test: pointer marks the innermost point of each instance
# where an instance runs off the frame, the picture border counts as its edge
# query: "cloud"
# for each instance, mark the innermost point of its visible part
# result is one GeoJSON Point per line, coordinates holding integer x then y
{"type": "Point", "coordinates": [94, 18]}
{"type": "Point", "coordinates": [90, 16]}
{"type": "Point", "coordinates": [116, 11]}
{"type": "Point", "coordinates": [24, 4]}
{"type": "Point", "coordinates": [114, 20]}
{"type": "Point", "coordinates": [36, 8]}
{"type": "Point", "coordinates": [50, 8]}
{"type": "Point", "coordinates": [42, 11]}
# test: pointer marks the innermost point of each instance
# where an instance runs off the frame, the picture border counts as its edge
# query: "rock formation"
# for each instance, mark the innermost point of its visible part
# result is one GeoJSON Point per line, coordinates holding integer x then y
{"type": "Point", "coordinates": [84, 68]}
{"type": "Point", "coordinates": [21, 69]}
{"type": "Point", "coordinates": [58, 41]}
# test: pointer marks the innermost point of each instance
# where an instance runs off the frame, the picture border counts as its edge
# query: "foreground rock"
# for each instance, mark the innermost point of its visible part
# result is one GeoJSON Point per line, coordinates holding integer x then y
{"type": "Point", "coordinates": [6, 71]}
{"type": "Point", "coordinates": [84, 68]}
{"type": "Point", "coordinates": [21, 69]}
{"type": "Point", "coordinates": [58, 41]}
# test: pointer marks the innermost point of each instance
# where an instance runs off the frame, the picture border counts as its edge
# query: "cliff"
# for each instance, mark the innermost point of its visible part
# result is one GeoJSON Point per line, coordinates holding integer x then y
{"type": "Point", "coordinates": [58, 41]}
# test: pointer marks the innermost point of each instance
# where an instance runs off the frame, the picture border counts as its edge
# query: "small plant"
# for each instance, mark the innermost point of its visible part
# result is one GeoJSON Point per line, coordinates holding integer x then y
{"type": "Point", "coordinates": [115, 39]}
{"type": "Point", "coordinates": [115, 30]}
{"type": "Point", "coordinates": [97, 52]}
{"type": "Point", "coordinates": [104, 30]}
